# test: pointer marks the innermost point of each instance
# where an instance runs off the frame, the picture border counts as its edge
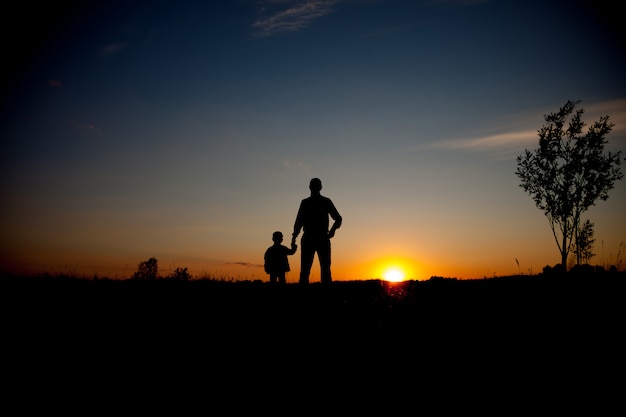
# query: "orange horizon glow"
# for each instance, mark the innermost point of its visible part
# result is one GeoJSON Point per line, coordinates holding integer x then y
{"type": "Point", "coordinates": [391, 269]}
{"type": "Point", "coordinates": [394, 269]}
{"type": "Point", "coordinates": [394, 274]}
{"type": "Point", "coordinates": [349, 266]}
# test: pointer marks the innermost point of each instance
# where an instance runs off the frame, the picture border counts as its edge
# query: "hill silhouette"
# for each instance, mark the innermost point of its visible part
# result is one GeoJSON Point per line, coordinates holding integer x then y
{"type": "Point", "coordinates": [557, 330]}
{"type": "Point", "coordinates": [369, 308]}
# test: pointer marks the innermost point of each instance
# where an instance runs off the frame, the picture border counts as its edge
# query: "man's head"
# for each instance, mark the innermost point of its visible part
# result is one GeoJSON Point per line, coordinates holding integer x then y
{"type": "Point", "coordinates": [315, 185]}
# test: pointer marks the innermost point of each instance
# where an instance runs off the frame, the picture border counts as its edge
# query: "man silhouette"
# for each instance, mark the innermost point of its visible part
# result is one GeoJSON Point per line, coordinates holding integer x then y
{"type": "Point", "coordinates": [313, 219]}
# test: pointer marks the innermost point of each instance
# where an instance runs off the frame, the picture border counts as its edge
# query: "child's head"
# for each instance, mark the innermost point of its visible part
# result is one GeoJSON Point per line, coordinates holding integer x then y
{"type": "Point", "coordinates": [277, 237]}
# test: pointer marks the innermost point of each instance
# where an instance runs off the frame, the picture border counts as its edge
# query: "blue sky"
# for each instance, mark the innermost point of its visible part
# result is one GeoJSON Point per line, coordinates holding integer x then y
{"type": "Point", "coordinates": [189, 131]}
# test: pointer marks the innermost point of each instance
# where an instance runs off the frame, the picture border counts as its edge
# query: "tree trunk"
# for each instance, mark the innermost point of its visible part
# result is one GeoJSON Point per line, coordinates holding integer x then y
{"type": "Point", "coordinates": [564, 248]}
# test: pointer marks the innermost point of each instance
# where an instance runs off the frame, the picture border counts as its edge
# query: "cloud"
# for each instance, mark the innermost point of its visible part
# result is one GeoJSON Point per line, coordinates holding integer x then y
{"type": "Point", "coordinates": [295, 164]}
{"type": "Point", "coordinates": [246, 264]}
{"type": "Point", "coordinates": [291, 16]}
{"type": "Point", "coordinates": [511, 139]}
{"type": "Point", "coordinates": [615, 109]}
{"type": "Point", "coordinates": [501, 140]}
{"type": "Point", "coordinates": [54, 83]}
{"type": "Point", "coordinates": [113, 48]}
{"type": "Point", "coordinates": [278, 16]}
{"type": "Point", "coordinates": [84, 126]}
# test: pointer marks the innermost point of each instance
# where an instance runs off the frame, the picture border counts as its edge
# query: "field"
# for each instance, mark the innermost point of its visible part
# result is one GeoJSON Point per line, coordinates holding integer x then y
{"type": "Point", "coordinates": [498, 332]}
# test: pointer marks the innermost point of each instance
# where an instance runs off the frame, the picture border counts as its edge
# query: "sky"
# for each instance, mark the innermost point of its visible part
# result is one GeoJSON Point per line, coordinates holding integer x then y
{"type": "Point", "coordinates": [189, 131]}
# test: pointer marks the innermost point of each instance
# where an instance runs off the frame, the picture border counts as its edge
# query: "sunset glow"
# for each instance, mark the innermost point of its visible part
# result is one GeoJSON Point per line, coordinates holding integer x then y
{"type": "Point", "coordinates": [393, 275]}
{"type": "Point", "coordinates": [395, 269]}
{"type": "Point", "coordinates": [189, 132]}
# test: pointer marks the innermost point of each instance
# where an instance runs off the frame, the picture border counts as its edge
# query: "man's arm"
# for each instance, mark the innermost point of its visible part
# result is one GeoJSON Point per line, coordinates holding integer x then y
{"type": "Point", "coordinates": [334, 214]}
{"type": "Point", "coordinates": [297, 225]}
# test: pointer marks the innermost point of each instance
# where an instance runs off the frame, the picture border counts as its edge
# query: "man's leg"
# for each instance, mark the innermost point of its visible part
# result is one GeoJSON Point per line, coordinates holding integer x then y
{"type": "Point", "coordinates": [323, 253]}
{"type": "Point", "coordinates": [307, 252]}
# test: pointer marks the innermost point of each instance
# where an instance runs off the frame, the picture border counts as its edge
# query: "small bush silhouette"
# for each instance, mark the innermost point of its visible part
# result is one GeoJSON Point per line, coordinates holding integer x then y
{"type": "Point", "coordinates": [180, 274]}
{"type": "Point", "coordinates": [147, 270]}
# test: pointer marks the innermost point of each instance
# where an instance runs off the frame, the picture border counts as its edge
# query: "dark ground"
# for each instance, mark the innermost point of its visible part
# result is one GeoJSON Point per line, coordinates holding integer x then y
{"type": "Point", "coordinates": [541, 335]}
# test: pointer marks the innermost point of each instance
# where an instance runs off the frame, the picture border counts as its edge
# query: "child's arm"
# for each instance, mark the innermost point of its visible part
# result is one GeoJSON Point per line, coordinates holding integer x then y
{"type": "Point", "coordinates": [293, 249]}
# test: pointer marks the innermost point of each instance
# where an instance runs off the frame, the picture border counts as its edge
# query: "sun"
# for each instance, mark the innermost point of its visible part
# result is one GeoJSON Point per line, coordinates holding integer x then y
{"type": "Point", "coordinates": [393, 268]}
{"type": "Point", "coordinates": [393, 274]}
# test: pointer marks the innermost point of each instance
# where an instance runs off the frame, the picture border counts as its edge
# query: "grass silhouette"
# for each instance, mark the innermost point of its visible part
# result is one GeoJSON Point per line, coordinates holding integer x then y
{"type": "Point", "coordinates": [368, 307]}
{"type": "Point", "coordinates": [519, 338]}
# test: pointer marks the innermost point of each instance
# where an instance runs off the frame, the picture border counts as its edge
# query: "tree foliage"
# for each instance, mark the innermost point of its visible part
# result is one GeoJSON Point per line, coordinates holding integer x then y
{"type": "Point", "coordinates": [147, 270]}
{"type": "Point", "coordinates": [583, 243]}
{"type": "Point", "coordinates": [569, 171]}
{"type": "Point", "coordinates": [180, 274]}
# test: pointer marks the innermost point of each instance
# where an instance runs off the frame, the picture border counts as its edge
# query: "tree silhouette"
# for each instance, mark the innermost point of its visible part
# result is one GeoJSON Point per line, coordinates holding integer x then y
{"type": "Point", "coordinates": [569, 171]}
{"type": "Point", "coordinates": [180, 274]}
{"type": "Point", "coordinates": [147, 270]}
{"type": "Point", "coordinates": [583, 245]}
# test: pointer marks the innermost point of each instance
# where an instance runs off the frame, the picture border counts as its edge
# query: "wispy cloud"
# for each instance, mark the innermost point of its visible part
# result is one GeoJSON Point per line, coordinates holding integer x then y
{"type": "Point", "coordinates": [295, 165]}
{"type": "Point", "coordinates": [615, 109]}
{"type": "Point", "coordinates": [290, 15]}
{"type": "Point", "coordinates": [113, 48]}
{"type": "Point", "coordinates": [501, 140]}
{"type": "Point", "coordinates": [84, 126]}
{"type": "Point", "coordinates": [246, 264]}
{"type": "Point", "coordinates": [515, 139]}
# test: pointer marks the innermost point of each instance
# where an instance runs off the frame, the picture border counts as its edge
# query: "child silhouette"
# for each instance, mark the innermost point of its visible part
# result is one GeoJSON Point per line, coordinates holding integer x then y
{"type": "Point", "coordinates": [276, 262]}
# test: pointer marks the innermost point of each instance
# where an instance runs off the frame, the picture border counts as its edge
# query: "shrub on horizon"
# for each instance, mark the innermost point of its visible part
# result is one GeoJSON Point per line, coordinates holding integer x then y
{"type": "Point", "coordinates": [147, 270]}
{"type": "Point", "coordinates": [180, 274]}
